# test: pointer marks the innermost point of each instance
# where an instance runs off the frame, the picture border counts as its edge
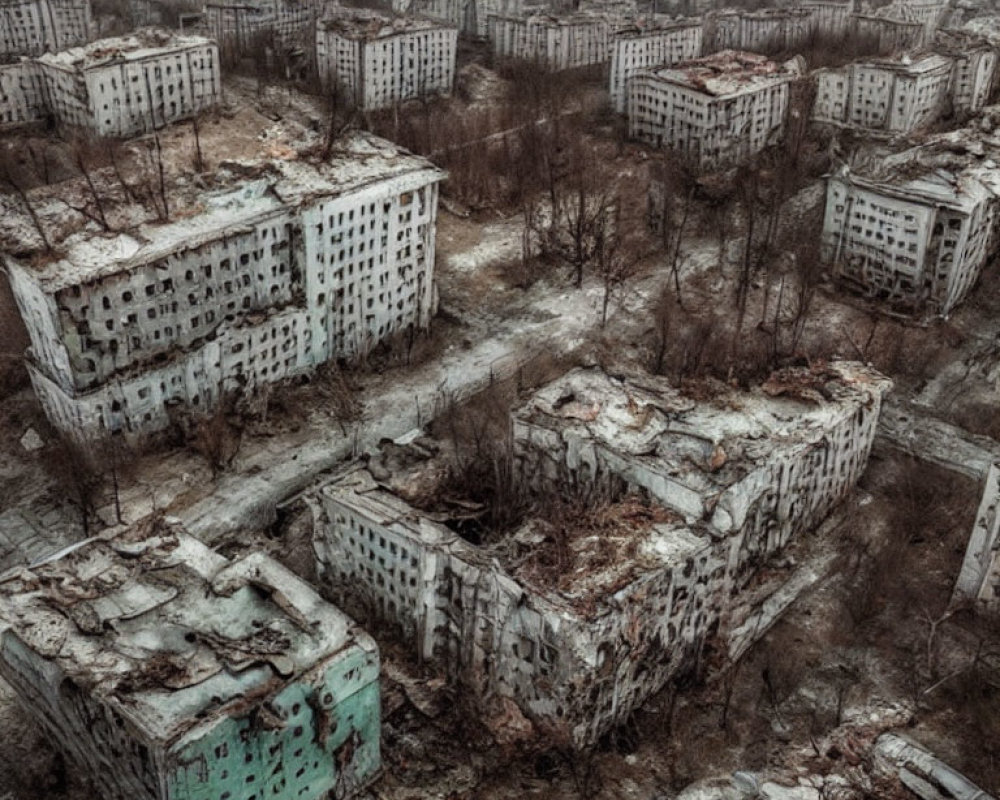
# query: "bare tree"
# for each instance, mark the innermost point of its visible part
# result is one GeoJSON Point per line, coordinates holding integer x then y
{"type": "Point", "coordinates": [73, 466]}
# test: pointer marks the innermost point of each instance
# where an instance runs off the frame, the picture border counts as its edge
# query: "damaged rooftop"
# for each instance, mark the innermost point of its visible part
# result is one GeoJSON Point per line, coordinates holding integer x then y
{"type": "Point", "coordinates": [168, 631]}
{"type": "Point", "coordinates": [239, 193]}
{"type": "Point", "coordinates": [705, 446]}
{"type": "Point", "coordinates": [365, 24]}
{"type": "Point", "coordinates": [135, 46]}
{"type": "Point", "coordinates": [727, 72]}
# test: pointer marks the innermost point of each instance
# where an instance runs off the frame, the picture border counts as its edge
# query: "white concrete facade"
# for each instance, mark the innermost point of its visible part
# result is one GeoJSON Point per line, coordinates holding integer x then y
{"type": "Point", "coordinates": [918, 243]}
{"type": "Point", "coordinates": [889, 35]}
{"type": "Point", "coordinates": [896, 95]}
{"type": "Point", "coordinates": [578, 659]}
{"type": "Point", "coordinates": [22, 95]}
{"type": "Point", "coordinates": [239, 27]}
{"type": "Point", "coordinates": [252, 291]}
{"type": "Point", "coordinates": [555, 42]}
{"type": "Point", "coordinates": [379, 61]}
{"type": "Point", "coordinates": [132, 85]}
{"type": "Point", "coordinates": [718, 111]}
{"type": "Point", "coordinates": [469, 16]}
{"type": "Point", "coordinates": [777, 29]}
{"type": "Point", "coordinates": [636, 49]}
{"type": "Point", "coordinates": [33, 27]}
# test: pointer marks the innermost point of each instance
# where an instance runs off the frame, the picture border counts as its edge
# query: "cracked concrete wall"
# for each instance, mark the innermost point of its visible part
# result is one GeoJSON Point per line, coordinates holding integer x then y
{"type": "Point", "coordinates": [574, 673]}
{"type": "Point", "coordinates": [33, 27]}
{"type": "Point", "coordinates": [381, 71]}
{"type": "Point", "coordinates": [632, 52]}
{"type": "Point", "coordinates": [878, 241]}
{"type": "Point", "coordinates": [556, 43]}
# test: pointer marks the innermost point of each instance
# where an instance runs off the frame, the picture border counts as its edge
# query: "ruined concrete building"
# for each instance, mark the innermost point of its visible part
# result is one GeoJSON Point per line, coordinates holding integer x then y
{"type": "Point", "coordinates": [830, 18]}
{"type": "Point", "coordinates": [979, 580]}
{"type": "Point", "coordinates": [164, 671]}
{"type": "Point", "coordinates": [377, 61]}
{"type": "Point", "coordinates": [895, 95]}
{"type": "Point", "coordinates": [929, 14]}
{"type": "Point", "coordinates": [555, 42]}
{"type": "Point", "coordinates": [770, 29]}
{"type": "Point", "coordinates": [22, 93]}
{"type": "Point", "coordinates": [727, 484]}
{"type": "Point", "coordinates": [471, 17]}
{"type": "Point", "coordinates": [974, 71]}
{"type": "Point", "coordinates": [132, 84]}
{"type": "Point", "coordinates": [888, 35]}
{"type": "Point", "coordinates": [640, 47]}
{"type": "Point", "coordinates": [270, 277]}
{"type": "Point", "coordinates": [248, 27]}
{"type": "Point", "coordinates": [718, 110]}
{"type": "Point", "coordinates": [33, 27]}
{"type": "Point", "coordinates": [917, 229]}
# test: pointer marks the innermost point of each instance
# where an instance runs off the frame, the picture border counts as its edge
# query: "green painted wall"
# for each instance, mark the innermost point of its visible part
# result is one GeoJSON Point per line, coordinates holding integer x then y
{"type": "Point", "coordinates": [328, 740]}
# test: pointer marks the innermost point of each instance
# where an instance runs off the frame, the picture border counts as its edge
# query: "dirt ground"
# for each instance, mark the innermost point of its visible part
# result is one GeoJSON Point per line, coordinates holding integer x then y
{"type": "Point", "coordinates": [870, 648]}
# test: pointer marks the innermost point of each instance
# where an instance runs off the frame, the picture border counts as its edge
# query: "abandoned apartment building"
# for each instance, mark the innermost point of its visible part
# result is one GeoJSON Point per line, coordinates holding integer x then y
{"type": "Point", "coordinates": [378, 61]}
{"type": "Point", "coordinates": [163, 671]}
{"type": "Point", "coordinates": [974, 72]}
{"type": "Point", "coordinates": [770, 29]}
{"type": "Point", "coordinates": [275, 272]}
{"type": "Point", "coordinates": [131, 84]}
{"type": "Point", "coordinates": [888, 35]}
{"type": "Point", "coordinates": [22, 94]}
{"type": "Point", "coordinates": [979, 579]}
{"type": "Point", "coordinates": [704, 493]}
{"type": "Point", "coordinates": [916, 230]}
{"type": "Point", "coordinates": [240, 28]}
{"type": "Point", "coordinates": [33, 27]}
{"type": "Point", "coordinates": [641, 46]}
{"type": "Point", "coordinates": [469, 16]}
{"type": "Point", "coordinates": [891, 95]}
{"type": "Point", "coordinates": [830, 17]}
{"type": "Point", "coordinates": [556, 42]}
{"type": "Point", "coordinates": [718, 110]}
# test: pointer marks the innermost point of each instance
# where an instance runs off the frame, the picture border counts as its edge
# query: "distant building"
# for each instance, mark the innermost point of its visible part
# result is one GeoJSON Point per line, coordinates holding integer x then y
{"type": "Point", "coordinates": [718, 110]}
{"type": "Point", "coordinates": [378, 61]}
{"type": "Point", "coordinates": [244, 27]}
{"type": "Point", "coordinates": [276, 275]}
{"type": "Point", "coordinates": [974, 68]}
{"type": "Point", "coordinates": [132, 84]}
{"type": "Point", "coordinates": [896, 95]}
{"type": "Point", "coordinates": [888, 35]}
{"type": "Point", "coordinates": [469, 16]}
{"type": "Point", "coordinates": [557, 42]}
{"type": "Point", "coordinates": [829, 17]}
{"type": "Point", "coordinates": [640, 47]}
{"type": "Point", "coordinates": [33, 27]}
{"type": "Point", "coordinates": [168, 672]}
{"type": "Point", "coordinates": [771, 29]}
{"type": "Point", "coordinates": [22, 94]}
{"type": "Point", "coordinates": [917, 232]}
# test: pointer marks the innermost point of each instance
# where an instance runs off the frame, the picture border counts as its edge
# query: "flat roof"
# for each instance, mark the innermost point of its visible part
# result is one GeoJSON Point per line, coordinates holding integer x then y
{"type": "Point", "coordinates": [727, 72]}
{"type": "Point", "coordinates": [245, 193]}
{"type": "Point", "coordinates": [141, 44]}
{"type": "Point", "coordinates": [957, 169]}
{"type": "Point", "coordinates": [170, 633]}
{"type": "Point", "coordinates": [703, 446]}
{"type": "Point", "coordinates": [359, 23]}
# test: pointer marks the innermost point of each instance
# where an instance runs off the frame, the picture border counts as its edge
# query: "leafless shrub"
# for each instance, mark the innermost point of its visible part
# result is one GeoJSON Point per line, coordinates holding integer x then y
{"type": "Point", "coordinates": [76, 471]}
